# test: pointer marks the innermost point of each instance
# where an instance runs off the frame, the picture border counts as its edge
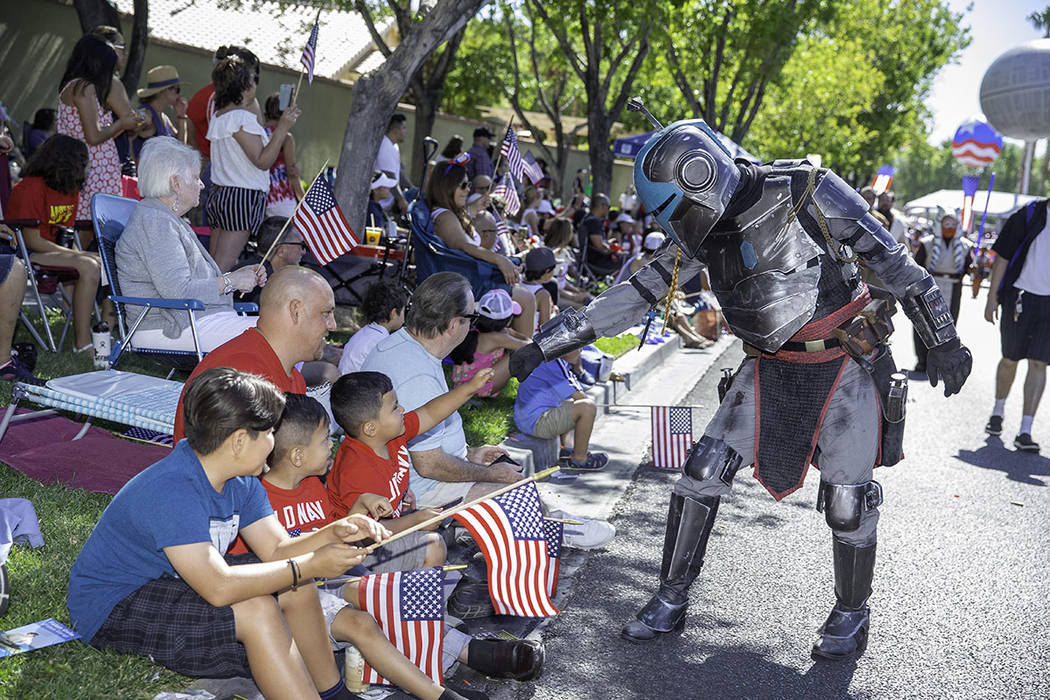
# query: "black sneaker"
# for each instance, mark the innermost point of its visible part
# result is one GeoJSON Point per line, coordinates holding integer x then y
{"type": "Point", "coordinates": [995, 426]}
{"type": "Point", "coordinates": [1024, 443]}
{"type": "Point", "coordinates": [471, 600]}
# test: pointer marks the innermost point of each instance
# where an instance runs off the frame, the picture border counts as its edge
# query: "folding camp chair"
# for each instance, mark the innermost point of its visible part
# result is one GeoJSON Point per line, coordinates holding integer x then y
{"type": "Point", "coordinates": [432, 255]}
{"type": "Point", "coordinates": [109, 214]}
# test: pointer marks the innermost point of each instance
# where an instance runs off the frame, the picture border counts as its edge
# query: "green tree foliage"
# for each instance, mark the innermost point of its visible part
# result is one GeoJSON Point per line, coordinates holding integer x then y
{"type": "Point", "coordinates": [854, 88]}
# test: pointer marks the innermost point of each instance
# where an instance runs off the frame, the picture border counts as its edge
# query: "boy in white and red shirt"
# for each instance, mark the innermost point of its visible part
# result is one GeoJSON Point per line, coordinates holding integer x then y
{"type": "Point", "coordinates": [373, 457]}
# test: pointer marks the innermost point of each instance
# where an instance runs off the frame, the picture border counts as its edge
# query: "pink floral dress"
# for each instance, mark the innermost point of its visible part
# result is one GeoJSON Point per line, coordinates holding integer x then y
{"type": "Point", "coordinates": [105, 163]}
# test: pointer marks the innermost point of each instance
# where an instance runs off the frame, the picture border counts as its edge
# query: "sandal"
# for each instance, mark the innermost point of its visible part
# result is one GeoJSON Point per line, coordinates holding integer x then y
{"type": "Point", "coordinates": [596, 461]}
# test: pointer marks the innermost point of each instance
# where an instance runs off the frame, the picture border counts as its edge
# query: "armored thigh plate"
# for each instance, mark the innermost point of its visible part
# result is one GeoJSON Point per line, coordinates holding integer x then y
{"type": "Point", "coordinates": [712, 459]}
{"type": "Point", "coordinates": [844, 504]}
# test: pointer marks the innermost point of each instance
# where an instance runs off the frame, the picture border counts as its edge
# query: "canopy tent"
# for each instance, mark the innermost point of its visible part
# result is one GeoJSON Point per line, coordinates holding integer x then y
{"type": "Point", "coordinates": [1002, 204]}
{"type": "Point", "coordinates": [629, 146]}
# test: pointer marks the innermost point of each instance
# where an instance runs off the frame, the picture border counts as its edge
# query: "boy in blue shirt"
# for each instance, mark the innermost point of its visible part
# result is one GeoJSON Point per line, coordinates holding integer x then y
{"type": "Point", "coordinates": [154, 579]}
{"type": "Point", "coordinates": [551, 403]}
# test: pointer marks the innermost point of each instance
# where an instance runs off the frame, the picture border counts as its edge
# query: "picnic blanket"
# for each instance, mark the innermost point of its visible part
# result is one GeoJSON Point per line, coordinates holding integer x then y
{"type": "Point", "coordinates": [99, 462]}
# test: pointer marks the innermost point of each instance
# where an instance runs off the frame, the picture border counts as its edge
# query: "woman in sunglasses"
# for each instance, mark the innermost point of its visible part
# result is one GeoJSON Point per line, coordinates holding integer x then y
{"type": "Point", "coordinates": [447, 193]}
{"type": "Point", "coordinates": [162, 92]}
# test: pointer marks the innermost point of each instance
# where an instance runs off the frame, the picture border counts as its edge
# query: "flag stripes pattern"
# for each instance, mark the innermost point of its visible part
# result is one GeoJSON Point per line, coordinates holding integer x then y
{"type": "Point", "coordinates": [322, 225]}
{"type": "Point", "coordinates": [672, 436]}
{"type": "Point", "coordinates": [509, 150]}
{"type": "Point", "coordinates": [532, 169]}
{"type": "Point", "coordinates": [409, 607]}
{"type": "Point", "coordinates": [509, 531]}
{"type": "Point", "coordinates": [509, 193]}
{"type": "Point", "coordinates": [309, 53]}
{"type": "Point", "coordinates": [553, 532]}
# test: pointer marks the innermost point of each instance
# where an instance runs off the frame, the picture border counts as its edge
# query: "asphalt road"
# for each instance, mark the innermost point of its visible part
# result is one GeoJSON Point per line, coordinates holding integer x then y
{"type": "Point", "coordinates": [959, 606]}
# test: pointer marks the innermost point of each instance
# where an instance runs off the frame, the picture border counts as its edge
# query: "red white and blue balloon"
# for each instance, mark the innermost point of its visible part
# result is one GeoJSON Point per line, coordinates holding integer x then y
{"type": "Point", "coordinates": [976, 144]}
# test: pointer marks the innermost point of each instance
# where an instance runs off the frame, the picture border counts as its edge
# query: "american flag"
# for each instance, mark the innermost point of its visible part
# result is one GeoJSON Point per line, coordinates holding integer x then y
{"type": "Point", "coordinates": [409, 607]}
{"type": "Point", "coordinates": [310, 52]}
{"type": "Point", "coordinates": [672, 436]}
{"type": "Point", "coordinates": [509, 193]}
{"type": "Point", "coordinates": [554, 533]}
{"type": "Point", "coordinates": [509, 530]}
{"type": "Point", "coordinates": [322, 224]}
{"type": "Point", "coordinates": [883, 179]}
{"type": "Point", "coordinates": [509, 150]}
{"type": "Point", "coordinates": [532, 169]}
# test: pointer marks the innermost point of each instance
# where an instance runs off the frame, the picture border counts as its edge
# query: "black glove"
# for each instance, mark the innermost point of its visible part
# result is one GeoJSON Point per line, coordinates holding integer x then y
{"type": "Point", "coordinates": [949, 361]}
{"type": "Point", "coordinates": [524, 360]}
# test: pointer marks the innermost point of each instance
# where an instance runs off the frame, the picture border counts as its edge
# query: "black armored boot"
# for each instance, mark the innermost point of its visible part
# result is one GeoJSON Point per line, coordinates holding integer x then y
{"type": "Point", "coordinates": [689, 523]}
{"type": "Point", "coordinates": [846, 629]}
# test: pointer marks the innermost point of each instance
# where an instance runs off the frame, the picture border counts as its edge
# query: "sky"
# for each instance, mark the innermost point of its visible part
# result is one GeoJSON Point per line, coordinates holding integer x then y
{"type": "Point", "coordinates": [995, 26]}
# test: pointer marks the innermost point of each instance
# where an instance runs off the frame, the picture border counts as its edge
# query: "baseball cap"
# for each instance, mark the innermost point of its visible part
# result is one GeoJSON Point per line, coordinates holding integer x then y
{"type": "Point", "coordinates": [541, 258]}
{"type": "Point", "coordinates": [653, 240]}
{"type": "Point", "coordinates": [482, 131]}
{"type": "Point", "coordinates": [497, 305]}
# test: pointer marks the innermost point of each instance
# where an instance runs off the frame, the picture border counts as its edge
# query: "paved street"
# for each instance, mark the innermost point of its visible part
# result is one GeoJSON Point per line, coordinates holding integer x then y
{"type": "Point", "coordinates": [959, 608]}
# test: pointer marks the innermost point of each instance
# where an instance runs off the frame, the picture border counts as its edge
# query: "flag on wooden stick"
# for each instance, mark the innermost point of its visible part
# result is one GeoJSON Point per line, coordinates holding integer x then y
{"type": "Point", "coordinates": [672, 435]}
{"type": "Point", "coordinates": [554, 532]}
{"type": "Point", "coordinates": [409, 607]}
{"type": "Point", "coordinates": [322, 224]}
{"type": "Point", "coordinates": [532, 168]}
{"type": "Point", "coordinates": [509, 530]}
{"type": "Point", "coordinates": [509, 193]}
{"type": "Point", "coordinates": [509, 150]}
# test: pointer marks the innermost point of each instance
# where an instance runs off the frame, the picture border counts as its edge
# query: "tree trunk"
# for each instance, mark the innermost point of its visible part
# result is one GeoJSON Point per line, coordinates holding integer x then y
{"type": "Point", "coordinates": [375, 97]}
{"type": "Point", "coordinates": [426, 102]}
{"type": "Point", "coordinates": [599, 127]}
{"type": "Point", "coordinates": [136, 47]}
{"type": "Point", "coordinates": [93, 13]}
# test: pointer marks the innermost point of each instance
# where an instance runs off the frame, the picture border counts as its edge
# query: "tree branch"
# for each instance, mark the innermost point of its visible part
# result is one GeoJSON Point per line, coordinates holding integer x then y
{"type": "Point", "coordinates": [560, 35]}
{"type": "Point", "coordinates": [366, 13]}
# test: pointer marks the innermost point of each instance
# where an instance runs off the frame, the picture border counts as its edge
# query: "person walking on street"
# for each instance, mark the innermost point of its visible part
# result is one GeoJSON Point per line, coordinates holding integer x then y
{"type": "Point", "coordinates": [1020, 284]}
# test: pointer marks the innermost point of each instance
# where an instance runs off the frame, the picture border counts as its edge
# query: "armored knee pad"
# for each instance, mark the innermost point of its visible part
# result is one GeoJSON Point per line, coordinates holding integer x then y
{"type": "Point", "coordinates": [844, 504]}
{"type": "Point", "coordinates": [712, 459]}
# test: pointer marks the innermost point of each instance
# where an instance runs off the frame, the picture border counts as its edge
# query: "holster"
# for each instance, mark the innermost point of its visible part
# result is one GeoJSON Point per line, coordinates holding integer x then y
{"type": "Point", "coordinates": [868, 329]}
{"type": "Point", "coordinates": [726, 382]}
{"type": "Point", "coordinates": [893, 396]}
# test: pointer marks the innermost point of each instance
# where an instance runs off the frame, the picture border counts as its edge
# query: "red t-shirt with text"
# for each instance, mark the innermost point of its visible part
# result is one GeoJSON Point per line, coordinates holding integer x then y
{"type": "Point", "coordinates": [248, 352]}
{"type": "Point", "coordinates": [32, 199]}
{"type": "Point", "coordinates": [357, 470]}
{"type": "Point", "coordinates": [301, 510]}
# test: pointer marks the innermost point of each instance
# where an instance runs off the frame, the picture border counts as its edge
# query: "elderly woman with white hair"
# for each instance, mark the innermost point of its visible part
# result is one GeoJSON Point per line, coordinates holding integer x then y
{"type": "Point", "coordinates": [159, 255]}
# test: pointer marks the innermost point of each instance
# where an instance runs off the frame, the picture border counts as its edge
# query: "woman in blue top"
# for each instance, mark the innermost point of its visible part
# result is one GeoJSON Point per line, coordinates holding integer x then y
{"type": "Point", "coordinates": [162, 91]}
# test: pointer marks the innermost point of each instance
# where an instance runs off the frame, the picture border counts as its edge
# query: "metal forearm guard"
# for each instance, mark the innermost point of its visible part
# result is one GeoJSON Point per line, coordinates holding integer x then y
{"type": "Point", "coordinates": [929, 313]}
{"type": "Point", "coordinates": [568, 331]}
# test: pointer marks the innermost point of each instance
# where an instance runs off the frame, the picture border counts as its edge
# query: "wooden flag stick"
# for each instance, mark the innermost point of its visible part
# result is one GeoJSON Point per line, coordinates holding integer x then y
{"type": "Point", "coordinates": [462, 506]}
{"type": "Point", "coordinates": [290, 218]}
{"type": "Point", "coordinates": [499, 153]}
{"type": "Point", "coordinates": [355, 579]}
{"type": "Point", "coordinates": [563, 521]}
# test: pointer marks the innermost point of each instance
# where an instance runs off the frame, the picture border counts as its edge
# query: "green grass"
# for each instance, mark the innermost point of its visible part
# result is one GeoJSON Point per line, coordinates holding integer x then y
{"type": "Point", "coordinates": [39, 577]}
{"type": "Point", "coordinates": [620, 345]}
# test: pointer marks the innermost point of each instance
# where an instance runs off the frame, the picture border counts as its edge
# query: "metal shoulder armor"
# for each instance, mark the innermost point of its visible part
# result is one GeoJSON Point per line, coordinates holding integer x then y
{"type": "Point", "coordinates": [847, 216]}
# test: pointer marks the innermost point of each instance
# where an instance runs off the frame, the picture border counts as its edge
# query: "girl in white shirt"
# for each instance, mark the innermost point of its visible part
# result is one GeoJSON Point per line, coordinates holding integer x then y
{"type": "Point", "coordinates": [241, 157]}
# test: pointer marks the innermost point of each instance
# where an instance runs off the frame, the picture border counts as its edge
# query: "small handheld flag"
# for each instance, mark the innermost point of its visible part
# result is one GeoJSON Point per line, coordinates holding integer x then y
{"type": "Point", "coordinates": [409, 607]}
{"type": "Point", "coordinates": [310, 53]}
{"type": "Point", "coordinates": [532, 168]}
{"type": "Point", "coordinates": [554, 532]}
{"type": "Point", "coordinates": [672, 435]}
{"type": "Point", "coordinates": [322, 224]}
{"type": "Point", "coordinates": [883, 179]}
{"type": "Point", "coordinates": [509, 150]}
{"type": "Point", "coordinates": [509, 193]}
{"type": "Point", "coordinates": [509, 530]}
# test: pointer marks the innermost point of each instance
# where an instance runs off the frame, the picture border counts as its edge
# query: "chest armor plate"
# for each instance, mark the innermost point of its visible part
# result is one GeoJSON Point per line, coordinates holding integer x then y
{"type": "Point", "coordinates": [764, 270]}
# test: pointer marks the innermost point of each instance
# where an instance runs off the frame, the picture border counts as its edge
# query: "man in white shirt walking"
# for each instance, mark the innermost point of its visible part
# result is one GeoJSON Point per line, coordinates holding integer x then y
{"type": "Point", "coordinates": [389, 160]}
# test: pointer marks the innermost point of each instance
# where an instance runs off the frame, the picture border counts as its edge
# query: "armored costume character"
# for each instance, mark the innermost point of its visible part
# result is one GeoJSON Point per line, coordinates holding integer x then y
{"type": "Point", "coordinates": [781, 242]}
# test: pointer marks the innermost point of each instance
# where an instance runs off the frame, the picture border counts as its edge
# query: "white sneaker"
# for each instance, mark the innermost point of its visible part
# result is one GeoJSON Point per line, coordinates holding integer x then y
{"type": "Point", "coordinates": [589, 535]}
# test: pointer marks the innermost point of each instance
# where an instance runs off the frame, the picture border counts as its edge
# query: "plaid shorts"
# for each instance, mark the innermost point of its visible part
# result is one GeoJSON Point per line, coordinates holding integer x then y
{"type": "Point", "coordinates": [172, 624]}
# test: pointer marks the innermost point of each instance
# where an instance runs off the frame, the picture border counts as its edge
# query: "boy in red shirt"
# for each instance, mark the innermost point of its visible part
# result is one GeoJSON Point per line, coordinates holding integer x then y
{"type": "Point", "coordinates": [301, 455]}
{"type": "Point", "coordinates": [373, 458]}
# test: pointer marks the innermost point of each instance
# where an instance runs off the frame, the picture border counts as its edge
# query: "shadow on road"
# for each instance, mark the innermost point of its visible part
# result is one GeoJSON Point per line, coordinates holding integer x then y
{"type": "Point", "coordinates": [1018, 466]}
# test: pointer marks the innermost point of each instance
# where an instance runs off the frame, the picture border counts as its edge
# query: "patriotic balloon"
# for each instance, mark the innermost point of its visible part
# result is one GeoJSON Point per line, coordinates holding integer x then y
{"type": "Point", "coordinates": [976, 144]}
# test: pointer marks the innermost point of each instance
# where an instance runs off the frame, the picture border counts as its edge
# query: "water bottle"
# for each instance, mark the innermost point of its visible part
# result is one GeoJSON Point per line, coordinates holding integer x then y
{"type": "Point", "coordinates": [101, 340]}
{"type": "Point", "coordinates": [354, 670]}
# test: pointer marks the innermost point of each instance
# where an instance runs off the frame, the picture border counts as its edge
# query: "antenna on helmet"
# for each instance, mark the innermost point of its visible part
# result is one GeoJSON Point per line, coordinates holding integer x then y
{"type": "Point", "coordinates": [635, 104]}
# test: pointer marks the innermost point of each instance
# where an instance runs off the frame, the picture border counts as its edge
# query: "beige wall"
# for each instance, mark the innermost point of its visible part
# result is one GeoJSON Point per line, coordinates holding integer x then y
{"type": "Point", "coordinates": [36, 37]}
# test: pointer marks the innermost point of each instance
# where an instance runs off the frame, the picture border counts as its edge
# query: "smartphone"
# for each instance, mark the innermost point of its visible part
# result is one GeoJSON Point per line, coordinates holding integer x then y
{"type": "Point", "coordinates": [505, 458]}
{"type": "Point", "coordinates": [285, 97]}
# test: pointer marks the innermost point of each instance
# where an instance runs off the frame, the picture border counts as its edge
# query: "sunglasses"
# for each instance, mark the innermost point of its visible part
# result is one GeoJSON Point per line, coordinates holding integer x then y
{"type": "Point", "coordinates": [464, 186]}
{"type": "Point", "coordinates": [473, 318]}
{"type": "Point", "coordinates": [461, 160]}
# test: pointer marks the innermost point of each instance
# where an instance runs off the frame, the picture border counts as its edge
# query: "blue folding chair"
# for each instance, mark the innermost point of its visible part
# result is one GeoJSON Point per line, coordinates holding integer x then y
{"type": "Point", "coordinates": [110, 214]}
{"type": "Point", "coordinates": [432, 255]}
